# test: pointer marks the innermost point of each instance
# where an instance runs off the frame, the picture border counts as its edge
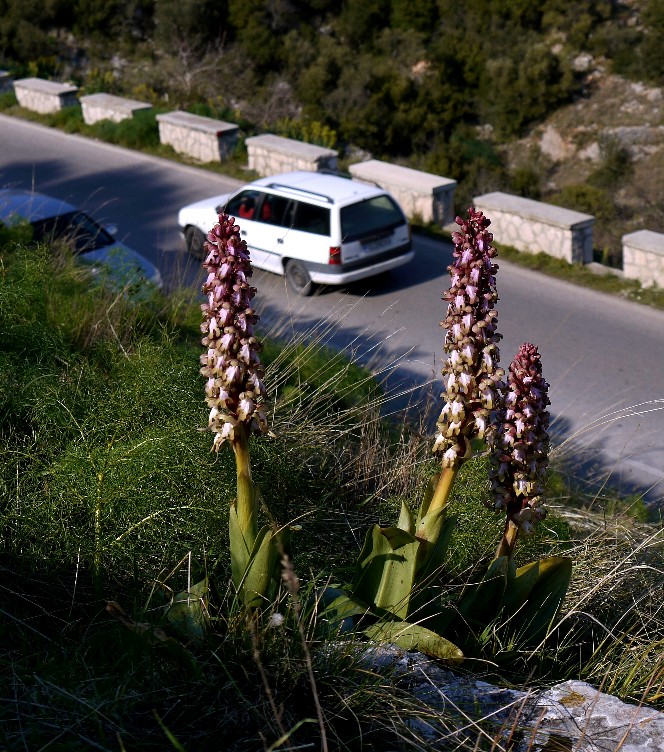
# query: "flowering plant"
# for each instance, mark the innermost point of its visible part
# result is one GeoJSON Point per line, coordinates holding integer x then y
{"type": "Point", "coordinates": [398, 568]}
{"type": "Point", "coordinates": [235, 394]}
{"type": "Point", "coordinates": [395, 591]}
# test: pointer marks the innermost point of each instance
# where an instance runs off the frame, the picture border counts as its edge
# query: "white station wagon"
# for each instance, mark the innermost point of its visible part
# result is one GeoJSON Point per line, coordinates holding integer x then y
{"type": "Point", "coordinates": [312, 227]}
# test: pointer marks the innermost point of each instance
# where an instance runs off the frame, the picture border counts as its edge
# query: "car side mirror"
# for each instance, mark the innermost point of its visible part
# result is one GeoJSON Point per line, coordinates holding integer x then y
{"type": "Point", "coordinates": [111, 229]}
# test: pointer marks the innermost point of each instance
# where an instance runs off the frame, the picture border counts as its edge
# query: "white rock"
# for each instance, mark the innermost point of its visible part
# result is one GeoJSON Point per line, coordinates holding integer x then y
{"type": "Point", "coordinates": [574, 712]}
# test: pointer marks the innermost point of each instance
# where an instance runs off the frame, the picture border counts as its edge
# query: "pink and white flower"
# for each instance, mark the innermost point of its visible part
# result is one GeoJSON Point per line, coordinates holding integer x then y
{"type": "Point", "coordinates": [231, 365]}
{"type": "Point", "coordinates": [471, 377]}
{"type": "Point", "coordinates": [520, 453]}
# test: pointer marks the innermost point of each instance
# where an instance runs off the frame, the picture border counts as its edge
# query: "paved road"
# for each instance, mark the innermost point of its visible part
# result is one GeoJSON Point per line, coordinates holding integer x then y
{"type": "Point", "coordinates": [603, 356]}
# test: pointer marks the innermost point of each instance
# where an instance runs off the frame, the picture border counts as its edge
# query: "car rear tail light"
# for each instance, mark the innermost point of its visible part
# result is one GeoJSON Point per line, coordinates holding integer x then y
{"type": "Point", "coordinates": [335, 255]}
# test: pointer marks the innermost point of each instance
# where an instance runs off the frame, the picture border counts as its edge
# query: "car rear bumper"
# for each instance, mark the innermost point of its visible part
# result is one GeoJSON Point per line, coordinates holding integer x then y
{"type": "Point", "coordinates": [326, 274]}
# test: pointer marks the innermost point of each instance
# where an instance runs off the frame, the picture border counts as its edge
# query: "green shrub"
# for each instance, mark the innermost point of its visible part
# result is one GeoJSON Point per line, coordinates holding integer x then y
{"type": "Point", "coordinates": [309, 131]}
{"type": "Point", "coordinates": [522, 86]}
{"type": "Point", "coordinates": [69, 119]}
{"type": "Point", "coordinates": [138, 132]}
{"type": "Point", "coordinates": [7, 100]}
{"type": "Point", "coordinates": [526, 181]}
{"type": "Point", "coordinates": [615, 165]}
{"type": "Point", "coordinates": [586, 198]}
{"type": "Point", "coordinates": [475, 163]}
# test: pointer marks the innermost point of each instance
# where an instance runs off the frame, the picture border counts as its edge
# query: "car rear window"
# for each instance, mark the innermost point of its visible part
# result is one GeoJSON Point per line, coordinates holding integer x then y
{"type": "Point", "coordinates": [378, 214]}
{"type": "Point", "coordinates": [76, 229]}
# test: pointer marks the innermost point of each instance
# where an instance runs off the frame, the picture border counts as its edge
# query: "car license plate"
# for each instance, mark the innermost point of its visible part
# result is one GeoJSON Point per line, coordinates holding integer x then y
{"type": "Point", "coordinates": [376, 245]}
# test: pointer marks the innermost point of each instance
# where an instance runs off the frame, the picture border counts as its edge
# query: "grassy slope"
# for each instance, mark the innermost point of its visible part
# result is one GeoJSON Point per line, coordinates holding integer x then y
{"type": "Point", "coordinates": [103, 461]}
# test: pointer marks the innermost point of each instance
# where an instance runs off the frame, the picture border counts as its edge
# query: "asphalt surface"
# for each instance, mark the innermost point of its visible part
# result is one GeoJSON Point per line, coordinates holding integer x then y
{"type": "Point", "coordinates": [603, 356]}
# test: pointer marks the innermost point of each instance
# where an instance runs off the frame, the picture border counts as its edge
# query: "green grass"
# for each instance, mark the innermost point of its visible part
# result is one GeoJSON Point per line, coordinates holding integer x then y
{"type": "Point", "coordinates": [104, 467]}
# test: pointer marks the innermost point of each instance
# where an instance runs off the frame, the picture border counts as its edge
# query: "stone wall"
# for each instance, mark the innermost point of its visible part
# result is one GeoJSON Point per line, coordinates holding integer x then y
{"type": "Point", "coordinates": [421, 194]}
{"type": "Point", "coordinates": [643, 257]}
{"type": "Point", "coordinates": [98, 107]}
{"type": "Point", "coordinates": [536, 227]}
{"type": "Point", "coordinates": [202, 138]}
{"type": "Point", "coordinates": [43, 96]}
{"type": "Point", "coordinates": [270, 155]}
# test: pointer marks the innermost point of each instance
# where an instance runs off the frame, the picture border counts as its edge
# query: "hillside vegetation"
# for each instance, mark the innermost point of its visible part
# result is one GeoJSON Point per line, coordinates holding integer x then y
{"type": "Point", "coordinates": [556, 100]}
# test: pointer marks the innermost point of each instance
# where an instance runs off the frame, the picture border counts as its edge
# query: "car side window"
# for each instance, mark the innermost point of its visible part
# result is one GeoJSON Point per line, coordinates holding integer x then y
{"type": "Point", "coordinates": [311, 218]}
{"type": "Point", "coordinates": [243, 206]}
{"type": "Point", "coordinates": [275, 210]}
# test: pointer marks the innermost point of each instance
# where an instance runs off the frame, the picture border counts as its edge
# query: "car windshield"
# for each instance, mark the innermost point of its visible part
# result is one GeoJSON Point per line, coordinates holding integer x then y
{"type": "Point", "coordinates": [76, 229]}
{"type": "Point", "coordinates": [368, 217]}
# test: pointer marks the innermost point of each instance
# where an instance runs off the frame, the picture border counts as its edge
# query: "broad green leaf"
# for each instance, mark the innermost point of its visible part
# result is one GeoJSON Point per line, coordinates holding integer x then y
{"type": "Point", "coordinates": [340, 612]}
{"type": "Point", "coordinates": [414, 637]}
{"type": "Point", "coordinates": [406, 520]}
{"type": "Point", "coordinates": [239, 547]}
{"type": "Point", "coordinates": [481, 603]}
{"type": "Point", "coordinates": [430, 560]}
{"type": "Point", "coordinates": [261, 575]}
{"type": "Point", "coordinates": [429, 527]}
{"type": "Point", "coordinates": [396, 537]}
{"type": "Point", "coordinates": [156, 637]}
{"type": "Point", "coordinates": [385, 575]}
{"type": "Point", "coordinates": [188, 613]}
{"type": "Point", "coordinates": [428, 496]}
{"type": "Point", "coordinates": [534, 619]}
{"type": "Point", "coordinates": [431, 555]}
{"type": "Point", "coordinates": [520, 582]}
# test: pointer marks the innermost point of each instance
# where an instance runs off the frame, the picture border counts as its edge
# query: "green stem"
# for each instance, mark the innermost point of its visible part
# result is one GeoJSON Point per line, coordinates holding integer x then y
{"type": "Point", "coordinates": [508, 541]}
{"type": "Point", "coordinates": [441, 495]}
{"type": "Point", "coordinates": [246, 496]}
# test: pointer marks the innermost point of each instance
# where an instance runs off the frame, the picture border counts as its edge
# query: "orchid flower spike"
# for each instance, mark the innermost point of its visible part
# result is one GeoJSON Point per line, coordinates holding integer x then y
{"type": "Point", "coordinates": [234, 389]}
{"type": "Point", "coordinates": [521, 446]}
{"type": "Point", "coordinates": [473, 381]}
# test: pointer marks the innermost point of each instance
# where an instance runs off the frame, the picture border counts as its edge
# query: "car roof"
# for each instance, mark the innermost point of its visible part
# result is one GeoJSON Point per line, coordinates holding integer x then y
{"type": "Point", "coordinates": [30, 205]}
{"type": "Point", "coordinates": [330, 189]}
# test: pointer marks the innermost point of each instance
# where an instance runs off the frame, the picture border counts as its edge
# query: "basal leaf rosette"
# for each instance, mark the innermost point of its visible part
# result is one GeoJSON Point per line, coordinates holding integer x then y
{"type": "Point", "coordinates": [234, 389]}
{"type": "Point", "coordinates": [472, 379]}
{"type": "Point", "coordinates": [521, 446]}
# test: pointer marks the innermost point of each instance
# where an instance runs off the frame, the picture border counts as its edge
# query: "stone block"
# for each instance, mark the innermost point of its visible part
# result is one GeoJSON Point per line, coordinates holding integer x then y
{"type": "Point", "coordinates": [98, 107]}
{"type": "Point", "coordinates": [203, 138]}
{"type": "Point", "coordinates": [537, 227]}
{"type": "Point", "coordinates": [428, 197]}
{"type": "Point", "coordinates": [643, 257]}
{"type": "Point", "coordinates": [270, 155]}
{"type": "Point", "coordinates": [40, 95]}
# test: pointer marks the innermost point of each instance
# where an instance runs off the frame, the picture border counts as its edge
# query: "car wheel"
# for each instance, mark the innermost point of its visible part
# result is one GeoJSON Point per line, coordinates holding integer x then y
{"type": "Point", "coordinates": [298, 278]}
{"type": "Point", "coordinates": [195, 240]}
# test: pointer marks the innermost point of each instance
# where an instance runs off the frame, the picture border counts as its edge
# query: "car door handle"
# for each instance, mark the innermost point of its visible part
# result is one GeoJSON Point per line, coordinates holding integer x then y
{"type": "Point", "coordinates": [243, 232]}
{"type": "Point", "coordinates": [280, 240]}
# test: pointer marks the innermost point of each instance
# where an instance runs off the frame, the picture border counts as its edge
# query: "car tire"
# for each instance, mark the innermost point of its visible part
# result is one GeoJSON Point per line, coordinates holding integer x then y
{"type": "Point", "coordinates": [195, 240]}
{"type": "Point", "coordinates": [298, 278]}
